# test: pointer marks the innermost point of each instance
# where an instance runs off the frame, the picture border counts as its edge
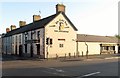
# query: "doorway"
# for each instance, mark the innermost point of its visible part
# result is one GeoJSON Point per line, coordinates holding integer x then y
{"type": "Point", "coordinates": [16, 50]}
{"type": "Point", "coordinates": [38, 49]}
{"type": "Point", "coordinates": [25, 48]}
{"type": "Point", "coordinates": [20, 50]}
{"type": "Point", "coordinates": [31, 49]}
{"type": "Point", "coordinates": [119, 49]}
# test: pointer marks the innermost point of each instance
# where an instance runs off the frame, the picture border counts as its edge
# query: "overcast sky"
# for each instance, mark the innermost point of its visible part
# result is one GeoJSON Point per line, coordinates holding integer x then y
{"type": "Point", "coordinates": [95, 17]}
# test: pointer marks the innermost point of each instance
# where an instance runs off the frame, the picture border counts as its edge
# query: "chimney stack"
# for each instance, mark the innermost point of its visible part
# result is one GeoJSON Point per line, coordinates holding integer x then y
{"type": "Point", "coordinates": [7, 30]}
{"type": "Point", "coordinates": [60, 8]}
{"type": "Point", "coordinates": [36, 18]}
{"type": "Point", "coordinates": [12, 27]}
{"type": "Point", "coordinates": [22, 23]}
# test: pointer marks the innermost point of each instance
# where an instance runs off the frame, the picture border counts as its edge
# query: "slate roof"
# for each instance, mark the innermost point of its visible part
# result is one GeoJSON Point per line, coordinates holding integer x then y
{"type": "Point", "coordinates": [38, 24]}
{"type": "Point", "coordinates": [96, 38]}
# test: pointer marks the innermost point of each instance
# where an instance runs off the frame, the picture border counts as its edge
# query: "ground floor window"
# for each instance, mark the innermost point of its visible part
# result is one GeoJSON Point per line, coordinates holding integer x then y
{"type": "Point", "coordinates": [104, 47]}
{"type": "Point", "coordinates": [61, 45]}
{"type": "Point", "coordinates": [108, 47]}
{"type": "Point", "coordinates": [112, 47]}
{"type": "Point", "coordinates": [25, 48]}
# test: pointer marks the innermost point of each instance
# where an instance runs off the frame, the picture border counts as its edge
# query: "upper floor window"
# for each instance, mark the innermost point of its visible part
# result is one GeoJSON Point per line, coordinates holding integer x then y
{"type": "Point", "coordinates": [13, 40]}
{"type": "Point", "coordinates": [26, 36]}
{"type": "Point", "coordinates": [38, 34]}
{"type": "Point", "coordinates": [31, 35]}
{"type": "Point", "coordinates": [19, 38]}
{"type": "Point", "coordinates": [16, 39]}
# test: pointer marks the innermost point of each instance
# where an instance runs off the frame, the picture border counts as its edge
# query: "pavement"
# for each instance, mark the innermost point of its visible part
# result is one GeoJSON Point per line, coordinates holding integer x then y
{"type": "Point", "coordinates": [93, 57]}
{"type": "Point", "coordinates": [62, 59]}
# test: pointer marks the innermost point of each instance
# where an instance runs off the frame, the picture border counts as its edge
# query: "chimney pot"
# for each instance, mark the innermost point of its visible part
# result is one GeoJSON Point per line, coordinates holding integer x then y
{"type": "Point", "coordinates": [12, 27]}
{"type": "Point", "coordinates": [60, 8]}
{"type": "Point", "coordinates": [7, 30]}
{"type": "Point", "coordinates": [36, 18]}
{"type": "Point", "coordinates": [22, 23]}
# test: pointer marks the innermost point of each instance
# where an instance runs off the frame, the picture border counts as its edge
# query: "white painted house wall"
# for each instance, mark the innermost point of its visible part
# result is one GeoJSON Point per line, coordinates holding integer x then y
{"type": "Point", "coordinates": [69, 45]}
{"type": "Point", "coordinates": [93, 47]}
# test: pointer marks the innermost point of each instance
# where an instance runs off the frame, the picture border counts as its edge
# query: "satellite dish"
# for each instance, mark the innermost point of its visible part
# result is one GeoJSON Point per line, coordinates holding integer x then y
{"type": "Point", "coordinates": [40, 12]}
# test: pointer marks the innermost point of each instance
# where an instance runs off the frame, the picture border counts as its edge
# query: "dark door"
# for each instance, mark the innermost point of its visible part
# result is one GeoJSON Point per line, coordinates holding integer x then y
{"type": "Point", "coordinates": [31, 49]}
{"type": "Point", "coordinates": [25, 48]}
{"type": "Point", "coordinates": [16, 50]}
{"type": "Point", "coordinates": [119, 49]}
{"type": "Point", "coordinates": [20, 50]}
{"type": "Point", "coordinates": [38, 49]}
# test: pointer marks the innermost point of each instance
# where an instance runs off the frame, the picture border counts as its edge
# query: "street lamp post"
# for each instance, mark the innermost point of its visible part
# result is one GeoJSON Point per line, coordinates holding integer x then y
{"type": "Point", "coordinates": [86, 47]}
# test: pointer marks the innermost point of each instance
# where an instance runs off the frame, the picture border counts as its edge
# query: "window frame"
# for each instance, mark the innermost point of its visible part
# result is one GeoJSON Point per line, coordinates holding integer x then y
{"type": "Point", "coordinates": [61, 45]}
{"type": "Point", "coordinates": [38, 35]}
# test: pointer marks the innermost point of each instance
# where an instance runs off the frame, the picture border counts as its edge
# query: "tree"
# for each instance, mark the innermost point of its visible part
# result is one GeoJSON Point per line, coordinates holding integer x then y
{"type": "Point", "coordinates": [117, 36]}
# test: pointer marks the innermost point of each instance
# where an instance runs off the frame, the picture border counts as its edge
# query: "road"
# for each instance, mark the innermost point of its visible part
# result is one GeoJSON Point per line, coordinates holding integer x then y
{"type": "Point", "coordinates": [77, 69]}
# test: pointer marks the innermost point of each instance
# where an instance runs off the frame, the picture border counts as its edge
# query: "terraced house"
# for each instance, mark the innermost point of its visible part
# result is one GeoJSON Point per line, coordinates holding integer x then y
{"type": "Point", "coordinates": [54, 36]}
